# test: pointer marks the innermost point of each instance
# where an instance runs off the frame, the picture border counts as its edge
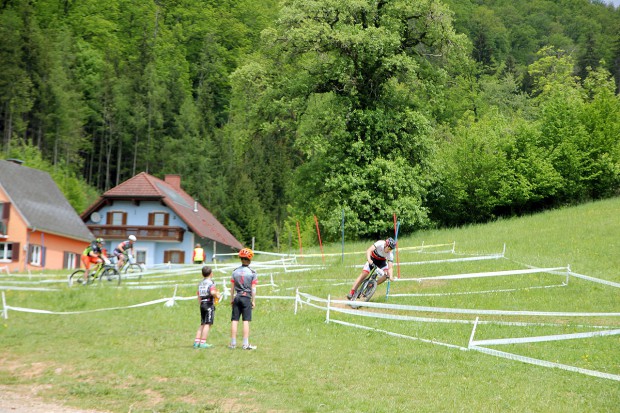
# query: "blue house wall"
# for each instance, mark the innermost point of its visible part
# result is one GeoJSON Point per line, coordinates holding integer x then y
{"type": "Point", "coordinates": [139, 215]}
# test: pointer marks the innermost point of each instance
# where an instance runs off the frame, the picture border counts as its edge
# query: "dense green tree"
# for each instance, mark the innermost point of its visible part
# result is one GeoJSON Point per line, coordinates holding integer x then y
{"type": "Point", "coordinates": [352, 83]}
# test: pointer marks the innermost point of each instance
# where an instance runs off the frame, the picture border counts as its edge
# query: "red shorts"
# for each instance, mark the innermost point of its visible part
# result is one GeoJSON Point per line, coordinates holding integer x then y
{"type": "Point", "coordinates": [87, 260]}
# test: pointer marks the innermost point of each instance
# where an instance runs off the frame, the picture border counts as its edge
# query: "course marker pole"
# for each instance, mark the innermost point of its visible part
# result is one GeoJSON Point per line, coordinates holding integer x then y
{"type": "Point", "coordinates": [301, 250]}
{"type": "Point", "coordinates": [318, 233]}
{"type": "Point", "coordinates": [342, 224]}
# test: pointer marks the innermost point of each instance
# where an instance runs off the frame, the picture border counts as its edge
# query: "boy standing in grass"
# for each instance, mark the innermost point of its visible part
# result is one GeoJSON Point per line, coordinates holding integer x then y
{"type": "Point", "coordinates": [243, 298]}
{"type": "Point", "coordinates": [207, 297]}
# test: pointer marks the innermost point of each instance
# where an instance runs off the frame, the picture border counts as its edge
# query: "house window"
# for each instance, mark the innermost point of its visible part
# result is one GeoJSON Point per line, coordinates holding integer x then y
{"type": "Point", "coordinates": [6, 251]}
{"type": "Point", "coordinates": [71, 260]}
{"type": "Point", "coordinates": [159, 219]}
{"type": "Point", "coordinates": [117, 218]}
{"type": "Point", "coordinates": [5, 209]}
{"type": "Point", "coordinates": [174, 257]}
{"type": "Point", "coordinates": [141, 256]}
{"type": "Point", "coordinates": [36, 255]}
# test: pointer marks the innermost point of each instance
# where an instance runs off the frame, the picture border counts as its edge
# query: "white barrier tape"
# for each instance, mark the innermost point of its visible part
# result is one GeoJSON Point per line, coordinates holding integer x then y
{"type": "Point", "coordinates": [473, 311]}
{"type": "Point", "coordinates": [30, 310]}
{"type": "Point", "coordinates": [447, 260]}
{"type": "Point", "coordinates": [538, 339]}
{"type": "Point", "coordinates": [485, 274]}
{"type": "Point", "coordinates": [276, 297]}
{"type": "Point", "coordinates": [345, 310]}
{"type": "Point", "coordinates": [508, 290]}
{"type": "Point", "coordinates": [545, 363]}
{"type": "Point", "coordinates": [389, 333]}
{"type": "Point", "coordinates": [12, 288]}
{"type": "Point", "coordinates": [596, 280]}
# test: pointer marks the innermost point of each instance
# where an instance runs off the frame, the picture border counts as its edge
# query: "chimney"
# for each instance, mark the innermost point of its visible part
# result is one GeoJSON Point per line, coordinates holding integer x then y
{"type": "Point", "coordinates": [173, 180]}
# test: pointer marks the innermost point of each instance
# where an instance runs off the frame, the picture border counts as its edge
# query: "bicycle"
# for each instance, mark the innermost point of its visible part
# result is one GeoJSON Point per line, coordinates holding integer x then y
{"type": "Point", "coordinates": [106, 272]}
{"type": "Point", "coordinates": [367, 288]}
{"type": "Point", "coordinates": [130, 266]}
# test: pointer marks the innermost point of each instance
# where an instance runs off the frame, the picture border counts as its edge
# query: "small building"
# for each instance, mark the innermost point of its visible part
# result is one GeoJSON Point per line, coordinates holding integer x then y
{"type": "Point", "coordinates": [166, 221]}
{"type": "Point", "coordinates": [39, 229]}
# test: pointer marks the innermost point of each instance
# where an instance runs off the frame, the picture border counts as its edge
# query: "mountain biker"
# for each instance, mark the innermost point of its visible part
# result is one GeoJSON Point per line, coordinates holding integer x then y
{"type": "Point", "coordinates": [119, 251]}
{"type": "Point", "coordinates": [93, 254]}
{"type": "Point", "coordinates": [380, 255]}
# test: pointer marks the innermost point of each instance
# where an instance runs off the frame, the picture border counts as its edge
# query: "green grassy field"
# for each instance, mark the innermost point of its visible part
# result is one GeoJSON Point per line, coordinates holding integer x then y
{"type": "Point", "coordinates": [141, 359]}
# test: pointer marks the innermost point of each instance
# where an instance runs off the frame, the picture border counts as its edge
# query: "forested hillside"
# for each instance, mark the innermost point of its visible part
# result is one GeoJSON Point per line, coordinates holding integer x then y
{"type": "Point", "coordinates": [441, 112]}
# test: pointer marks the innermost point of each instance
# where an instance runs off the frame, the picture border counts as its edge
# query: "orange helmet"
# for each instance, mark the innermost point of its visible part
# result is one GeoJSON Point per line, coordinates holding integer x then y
{"type": "Point", "coordinates": [246, 253]}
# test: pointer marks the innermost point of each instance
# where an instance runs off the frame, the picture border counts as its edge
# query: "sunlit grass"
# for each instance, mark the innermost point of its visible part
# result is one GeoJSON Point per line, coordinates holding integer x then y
{"type": "Point", "coordinates": [141, 360]}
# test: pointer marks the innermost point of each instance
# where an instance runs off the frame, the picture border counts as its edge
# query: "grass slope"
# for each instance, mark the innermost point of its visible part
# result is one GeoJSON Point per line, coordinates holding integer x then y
{"type": "Point", "coordinates": [141, 360]}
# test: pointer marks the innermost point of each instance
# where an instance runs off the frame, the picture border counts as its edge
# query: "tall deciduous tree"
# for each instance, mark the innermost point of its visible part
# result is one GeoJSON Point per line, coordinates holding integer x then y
{"type": "Point", "coordinates": [355, 82]}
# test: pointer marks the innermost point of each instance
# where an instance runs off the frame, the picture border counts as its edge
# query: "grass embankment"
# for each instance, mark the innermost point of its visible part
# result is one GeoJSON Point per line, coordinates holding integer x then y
{"type": "Point", "coordinates": [141, 360]}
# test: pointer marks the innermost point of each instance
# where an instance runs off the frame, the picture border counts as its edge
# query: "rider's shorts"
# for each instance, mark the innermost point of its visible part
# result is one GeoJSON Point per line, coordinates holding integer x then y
{"type": "Point", "coordinates": [87, 260]}
{"type": "Point", "coordinates": [383, 264]}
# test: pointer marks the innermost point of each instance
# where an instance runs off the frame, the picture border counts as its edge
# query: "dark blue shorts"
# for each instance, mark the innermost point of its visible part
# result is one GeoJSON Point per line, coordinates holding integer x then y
{"type": "Point", "coordinates": [207, 313]}
{"type": "Point", "coordinates": [242, 308]}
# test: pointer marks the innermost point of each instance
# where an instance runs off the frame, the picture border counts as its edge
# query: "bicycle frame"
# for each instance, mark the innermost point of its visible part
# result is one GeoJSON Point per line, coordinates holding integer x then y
{"type": "Point", "coordinates": [366, 288]}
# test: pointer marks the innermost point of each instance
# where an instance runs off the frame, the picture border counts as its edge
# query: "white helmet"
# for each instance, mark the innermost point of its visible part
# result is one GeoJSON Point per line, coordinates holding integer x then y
{"type": "Point", "coordinates": [132, 238]}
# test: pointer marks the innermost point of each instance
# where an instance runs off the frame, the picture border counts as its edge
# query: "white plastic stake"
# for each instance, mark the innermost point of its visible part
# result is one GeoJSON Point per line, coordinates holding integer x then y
{"type": "Point", "coordinates": [473, 331]}
{"type": "Point", "coordinates": [296, 299]}
{"type": "Point", "coordinates": [5, 311]}
{"type": "Point", "coordinates": [329, 300]}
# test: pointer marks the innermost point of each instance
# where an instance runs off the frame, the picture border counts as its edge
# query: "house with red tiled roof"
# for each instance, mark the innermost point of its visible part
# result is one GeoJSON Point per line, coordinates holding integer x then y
{"type": "Point", "coordinates": [39, 229]}
{"type": "Point", "coordinates": [166, 221]}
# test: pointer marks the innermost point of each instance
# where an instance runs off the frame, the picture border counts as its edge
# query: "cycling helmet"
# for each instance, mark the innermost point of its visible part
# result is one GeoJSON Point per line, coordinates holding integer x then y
{"type": "Point", "coordinates": [246, 253]}
{"type": "Point", "coordinates": [132, 238]}
{"type": "Point", "coordinates": [99, 240]}
{"type": "Point", "coordinates": [390, 243]}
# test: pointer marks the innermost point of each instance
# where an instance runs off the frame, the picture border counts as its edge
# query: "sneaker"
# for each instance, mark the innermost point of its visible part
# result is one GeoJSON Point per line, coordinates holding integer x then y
{"type": "Point", "coordinates": [349, 296]}
{"type": "Point", "coordinates": [249, 347]}
{"type": "Point", "coordinates": [196, 345]}
{"type": "Point", "coordinates": [206, 345]}
{"type": "Point", "coordinates": [232, 346]}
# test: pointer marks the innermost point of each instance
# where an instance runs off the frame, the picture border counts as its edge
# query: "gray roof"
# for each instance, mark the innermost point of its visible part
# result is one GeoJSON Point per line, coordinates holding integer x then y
{"type": "Point", "coordinates": [40, 203]}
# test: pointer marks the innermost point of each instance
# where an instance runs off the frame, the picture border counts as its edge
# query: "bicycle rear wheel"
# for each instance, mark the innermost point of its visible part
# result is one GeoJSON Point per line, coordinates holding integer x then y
{"type": "Point", "coordinates": [77, 278]}
{"type": "Point", "coordinates": [110, 276]}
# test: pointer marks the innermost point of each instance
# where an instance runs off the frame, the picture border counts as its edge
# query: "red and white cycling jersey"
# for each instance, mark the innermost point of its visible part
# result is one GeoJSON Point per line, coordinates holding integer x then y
{"type": "Point", "coordinates": [379, 252]}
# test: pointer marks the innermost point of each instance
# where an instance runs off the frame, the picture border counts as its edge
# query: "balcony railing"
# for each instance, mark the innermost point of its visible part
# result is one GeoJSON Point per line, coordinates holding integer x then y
{"type": "Point", "coordinates": [150, 233]}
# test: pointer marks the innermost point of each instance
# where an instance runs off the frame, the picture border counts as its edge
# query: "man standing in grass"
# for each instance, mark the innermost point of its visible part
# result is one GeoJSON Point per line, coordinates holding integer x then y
{"type": "Point", "coordinates": [243, 298]}
{"type": "Point", "coordinates": [199, 254]}
{"type": "Point", "coordinates": [207, 297]}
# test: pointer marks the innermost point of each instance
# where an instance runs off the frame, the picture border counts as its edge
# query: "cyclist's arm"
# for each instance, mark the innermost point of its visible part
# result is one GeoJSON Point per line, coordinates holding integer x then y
{"type": "Point", "coordinates": [232, 291]}
{"type": "Point", "coordinates": [390, 270]}
{"type": "Point", "coordinates": [369, 252]}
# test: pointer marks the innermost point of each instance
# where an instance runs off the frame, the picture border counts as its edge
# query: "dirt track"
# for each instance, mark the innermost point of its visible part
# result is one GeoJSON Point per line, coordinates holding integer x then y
{"type": "Point", "coordinates": [20, 399]}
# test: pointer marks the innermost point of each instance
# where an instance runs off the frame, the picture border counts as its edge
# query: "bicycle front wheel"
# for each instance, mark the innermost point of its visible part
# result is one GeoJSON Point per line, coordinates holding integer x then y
{"type": "Point", "coordinates": [76, 278]}
{"type": "Point", "coordinates": [110, 276]}
{"type": "Point", "coordinates": [369, 290]}
{"type": "Point", "coordinates": [358, 294]}
{"type": "Point", "coordinates": [135, 270]}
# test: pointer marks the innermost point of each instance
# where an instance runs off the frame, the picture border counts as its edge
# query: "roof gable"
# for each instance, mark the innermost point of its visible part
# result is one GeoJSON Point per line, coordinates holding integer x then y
{"type": "Point", "coordinates": [197, 218]}
{"type": "Point", "coordinates": [39, 201]}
